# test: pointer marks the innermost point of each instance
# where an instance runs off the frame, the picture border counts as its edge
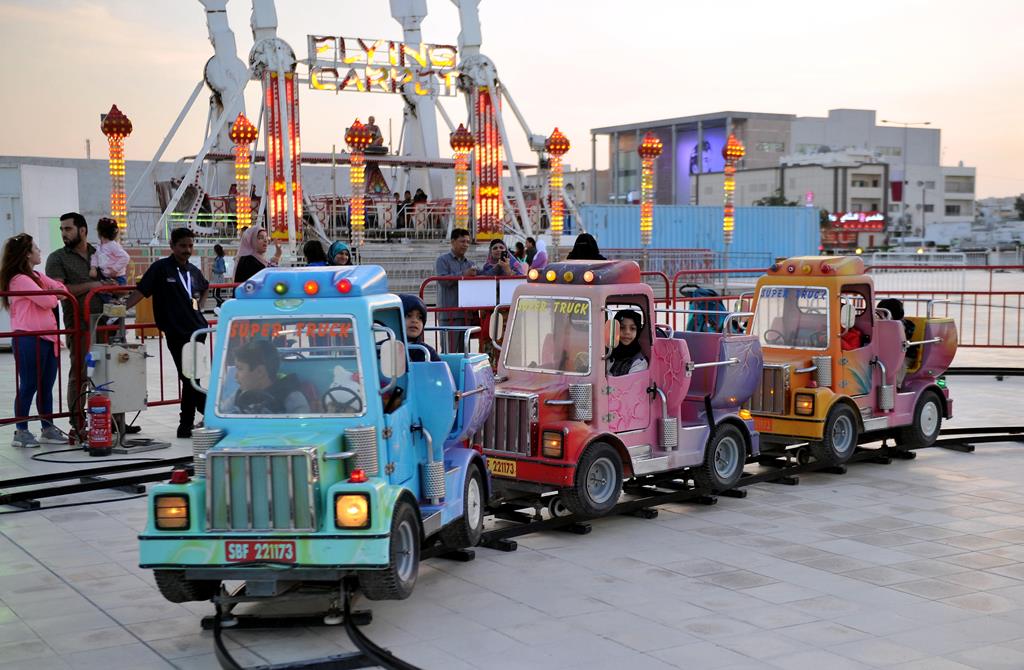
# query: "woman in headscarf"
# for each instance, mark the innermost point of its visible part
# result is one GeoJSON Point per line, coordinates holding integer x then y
{"type": "Point", "coordinates": [540, 259]}
{"type": "Point", "coordinates": [339, 254]}
{"type": "Point", "coordinates": [585, 249]}
{"type": "Point", "coordinates": [500, 262]}
{"type": "Point", "coordinates": [627, 357]}
{"type": "Point", "coordinates": [415, 320]}
{"type": "Point", "coordinates": [251, 256]}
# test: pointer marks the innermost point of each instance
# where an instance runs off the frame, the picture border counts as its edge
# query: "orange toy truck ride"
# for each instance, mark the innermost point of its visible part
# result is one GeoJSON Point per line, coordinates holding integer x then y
{"type": "Point", "coordinates": [838, 369]}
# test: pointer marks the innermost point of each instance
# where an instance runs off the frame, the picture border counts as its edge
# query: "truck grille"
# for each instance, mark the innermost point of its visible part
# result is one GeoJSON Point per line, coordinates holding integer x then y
{"type": "Point", "coordinates": [770, 395]}
{"type": "Point", "coordinates": [260, 489]}
{"type": "Point", "coordinates": [508, 427]}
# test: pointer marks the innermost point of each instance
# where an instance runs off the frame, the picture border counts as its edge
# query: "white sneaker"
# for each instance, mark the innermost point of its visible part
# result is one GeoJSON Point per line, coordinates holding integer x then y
{"type": "Point", "coordinates": [52, 435]}
{"type": "Point", "coordinates": [23, 438]}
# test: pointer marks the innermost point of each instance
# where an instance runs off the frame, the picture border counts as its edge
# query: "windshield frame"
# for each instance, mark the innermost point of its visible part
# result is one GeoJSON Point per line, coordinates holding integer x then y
{"type": "Point", "coordinates": [590, 336]}
{"type": "Point", "coordinates": [828, 317]}
{"type": "Point", "coordinates": [311, 415]}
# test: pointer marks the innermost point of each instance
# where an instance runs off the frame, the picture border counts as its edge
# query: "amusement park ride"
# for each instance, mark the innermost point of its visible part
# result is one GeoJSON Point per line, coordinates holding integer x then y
{"type": "Point", "coordinates": [419, 72]}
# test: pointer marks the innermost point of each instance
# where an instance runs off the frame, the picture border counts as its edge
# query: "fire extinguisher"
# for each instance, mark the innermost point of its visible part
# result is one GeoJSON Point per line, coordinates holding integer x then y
{"type": "Point", "coordinates": [101, 433]}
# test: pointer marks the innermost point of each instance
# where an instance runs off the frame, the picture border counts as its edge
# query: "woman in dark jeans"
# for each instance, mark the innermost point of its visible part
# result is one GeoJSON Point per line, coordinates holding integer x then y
{"type": "Point", "coordinates": [36, 355]}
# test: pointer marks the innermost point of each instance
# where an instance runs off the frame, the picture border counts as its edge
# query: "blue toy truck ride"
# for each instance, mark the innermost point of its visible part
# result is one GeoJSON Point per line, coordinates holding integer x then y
{"type": "Point", "coordinates": [325, 453]}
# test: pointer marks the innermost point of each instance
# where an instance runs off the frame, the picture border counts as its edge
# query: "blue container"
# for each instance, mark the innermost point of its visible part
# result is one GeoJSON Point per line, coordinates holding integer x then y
{"type": "Point", "coordinates": [761, 232]}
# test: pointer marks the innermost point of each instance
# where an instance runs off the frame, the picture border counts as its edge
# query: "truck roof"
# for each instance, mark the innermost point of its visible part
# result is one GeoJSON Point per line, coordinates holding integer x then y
{"type": "Point", "coordinates": [817, 266]}
{"type": "Point", "coordinates": [594, 273]}
{"type": "Point", "coordinates": [348, 281]}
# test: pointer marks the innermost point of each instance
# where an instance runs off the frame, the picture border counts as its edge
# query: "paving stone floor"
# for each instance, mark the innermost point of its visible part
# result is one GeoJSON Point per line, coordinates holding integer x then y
{"type": "Point", "coordinates": [917, 565]}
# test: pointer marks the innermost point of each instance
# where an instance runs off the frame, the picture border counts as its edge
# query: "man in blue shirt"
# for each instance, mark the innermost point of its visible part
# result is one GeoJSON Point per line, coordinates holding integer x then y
{"type": "Point", "coordinates": [453, 264]}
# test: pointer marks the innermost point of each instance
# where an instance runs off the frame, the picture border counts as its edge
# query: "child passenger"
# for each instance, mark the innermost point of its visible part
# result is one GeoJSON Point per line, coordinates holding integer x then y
{"type": "Point", "coordinates": [627, 358]}
{"type": "Point", "coordinates": [110, 260]}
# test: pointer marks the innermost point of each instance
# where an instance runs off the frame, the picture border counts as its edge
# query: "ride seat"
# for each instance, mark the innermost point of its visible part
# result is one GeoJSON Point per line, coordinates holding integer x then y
{"type": "Point", "coordinates": [889, 337]}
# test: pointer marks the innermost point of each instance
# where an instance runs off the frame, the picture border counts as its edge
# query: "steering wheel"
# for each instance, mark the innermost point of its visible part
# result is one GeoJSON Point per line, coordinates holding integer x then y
{"type": "Point", "coordinates": [772, 336]}
{"type": "Point", "coordinates": [257, 402]}
{"type": "Point", "coordinates": [353, 405]}
{"type": "Point", "coordinates": [581, 361]}
{"type": "Point", "coordinates": [817, 339]}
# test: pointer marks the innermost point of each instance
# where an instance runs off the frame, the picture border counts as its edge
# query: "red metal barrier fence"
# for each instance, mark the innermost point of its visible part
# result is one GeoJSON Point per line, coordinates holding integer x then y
{"type": "Point", "coordinates": [167, 395]}
{"type": "Point", "coordinates": [985, 317]}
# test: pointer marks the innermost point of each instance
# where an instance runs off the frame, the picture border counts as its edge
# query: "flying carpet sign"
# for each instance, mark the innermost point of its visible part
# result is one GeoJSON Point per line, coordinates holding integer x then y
{"type": "Point", "coordinates": [380, 66]}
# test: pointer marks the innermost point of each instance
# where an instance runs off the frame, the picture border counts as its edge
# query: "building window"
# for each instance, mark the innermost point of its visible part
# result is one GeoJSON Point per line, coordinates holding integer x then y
{"type": "Point", "coordinates": [776, 147]}
{"type": "Point", "coordinates": [952, 210]}
{"type": "Point", "coordinates": [929, 184]}
{"type": "Point", "coordinates": [890, 151]}
{"type": "Point", "coordinates": [874, 183]}
{"type": "Point", "coordinates": [894, 207]}
{"type": "Point", "coordinates": [807, 148]}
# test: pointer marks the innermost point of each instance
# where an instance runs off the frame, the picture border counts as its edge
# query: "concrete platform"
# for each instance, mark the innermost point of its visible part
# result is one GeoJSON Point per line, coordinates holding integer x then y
{"type": "Point", "coordinates": [917, 565]}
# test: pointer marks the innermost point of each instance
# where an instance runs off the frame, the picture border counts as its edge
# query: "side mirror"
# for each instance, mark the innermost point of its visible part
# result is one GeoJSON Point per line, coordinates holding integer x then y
{"type": "Point", "coordinates": [392, 359]}
{"type": "Point", "coordinates": [847, 315]}
{"type": "Point", "coordinates": [195, 360]}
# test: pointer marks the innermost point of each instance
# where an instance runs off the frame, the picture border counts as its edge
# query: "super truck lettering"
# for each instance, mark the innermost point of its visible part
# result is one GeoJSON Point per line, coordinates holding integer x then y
{"type": "Point", "coordinates": [265, 329]}
{"type": "Point", "coordinates": [799, 293]}
{"type": "Point", "coordinates": [572, 307]}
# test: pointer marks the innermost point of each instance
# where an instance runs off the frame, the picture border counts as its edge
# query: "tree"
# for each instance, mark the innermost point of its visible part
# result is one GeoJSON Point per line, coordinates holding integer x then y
{"type": "Point", "coordinates": [777, 200]}
{"type": "Point", "coordinates": [1019, 206]}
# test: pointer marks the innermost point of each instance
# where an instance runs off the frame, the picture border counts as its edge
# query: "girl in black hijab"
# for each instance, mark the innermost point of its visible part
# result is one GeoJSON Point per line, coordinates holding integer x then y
{"type": "Point", "coordinates": [627, 358]}
{"type": "Point", "coordinates": [585, 249]}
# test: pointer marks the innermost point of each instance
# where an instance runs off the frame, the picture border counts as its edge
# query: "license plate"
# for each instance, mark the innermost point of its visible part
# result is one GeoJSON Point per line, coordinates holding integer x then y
{"type": "Point", "coordinates": [259, 551]}
{"type": "Point", "coordinates": [762, 424]}
{"type": "Point", "coordinates": [501, 467]}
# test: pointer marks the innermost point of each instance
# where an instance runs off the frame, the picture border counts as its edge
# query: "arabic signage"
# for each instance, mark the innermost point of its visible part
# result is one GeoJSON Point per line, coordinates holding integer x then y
{"type": "Point", "coordinates": [865, 221]}
{"type": "Point", "coordinates": [381, 66]}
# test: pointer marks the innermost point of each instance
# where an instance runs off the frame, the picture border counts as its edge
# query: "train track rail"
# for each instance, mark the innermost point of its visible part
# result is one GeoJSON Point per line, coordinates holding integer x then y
{"type": "Point", "coordinates": [649, 493]}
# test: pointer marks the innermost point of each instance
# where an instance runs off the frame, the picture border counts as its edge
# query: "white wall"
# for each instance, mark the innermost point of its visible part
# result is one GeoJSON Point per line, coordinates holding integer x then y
{"type": "Point", "coordinates": [47, 192]}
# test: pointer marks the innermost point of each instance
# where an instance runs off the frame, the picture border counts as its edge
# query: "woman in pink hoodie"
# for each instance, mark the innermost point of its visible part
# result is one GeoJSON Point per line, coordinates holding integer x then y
{"type": "Point", "coordinates": [36, 355]}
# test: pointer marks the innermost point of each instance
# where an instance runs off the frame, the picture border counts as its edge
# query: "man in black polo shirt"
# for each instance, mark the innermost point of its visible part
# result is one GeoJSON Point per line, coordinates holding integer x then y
{"type": "Point", "coordinates": [178, 289]}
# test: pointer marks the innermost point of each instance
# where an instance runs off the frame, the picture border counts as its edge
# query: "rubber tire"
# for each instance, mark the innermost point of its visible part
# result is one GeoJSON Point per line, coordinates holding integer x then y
{"type": "Point", "coordinates": [823, 451]}
{"type": "Point", "coordinates": [578, 498]}
{"type": "Point", "coordinates": [557, 508]}
{"type": "Point", "coordinates": [460, 534]}
{"type": "Point", "coordinates": [707, 477]}
{"type": "Point", "coordinates": [175, 588]}
{"type": "Point", "coordinates": [912, 435]}
{"type": "Point", "coordinates": [388, 584]}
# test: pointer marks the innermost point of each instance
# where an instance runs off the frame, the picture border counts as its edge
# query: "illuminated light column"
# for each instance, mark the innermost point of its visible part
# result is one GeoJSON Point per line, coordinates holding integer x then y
{"type": "Point", "coordinates": [117, 127]}
{"type": "Point", "coordinates": [557, 146]}
{"type": "Point", "coordinates": [649, 150]}
{"type": "Point", "coordinates": [462, 144]}
{"type": "Point", "coordinates": [243, 134]}
{"type": "Point", "coordinates": [732, 152]}
{"type": "Point", "coordinates": [487, 168]}
{"type": "Point", "coordinates": [358, 137]}
{"type": "Point", "coordinates": [279, 99]}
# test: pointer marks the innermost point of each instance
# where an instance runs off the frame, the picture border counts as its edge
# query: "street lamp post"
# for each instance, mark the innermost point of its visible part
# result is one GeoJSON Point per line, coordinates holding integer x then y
{"type": "Point", "coordinates": [903, 194]}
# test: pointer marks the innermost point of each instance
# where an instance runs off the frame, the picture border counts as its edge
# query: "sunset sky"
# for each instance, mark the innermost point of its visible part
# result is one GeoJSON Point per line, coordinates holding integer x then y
{"type": "Point", "coordinates": [571, 63]}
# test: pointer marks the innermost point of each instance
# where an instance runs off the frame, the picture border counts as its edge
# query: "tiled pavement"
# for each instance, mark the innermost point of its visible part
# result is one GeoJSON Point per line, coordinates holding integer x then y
{"type": "Point", "coordinates": [917, 565]}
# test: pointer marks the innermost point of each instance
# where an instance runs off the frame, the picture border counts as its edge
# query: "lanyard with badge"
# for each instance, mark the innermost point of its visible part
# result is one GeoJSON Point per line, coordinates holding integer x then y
{"type": "Point", "coordinates": [187, 284]}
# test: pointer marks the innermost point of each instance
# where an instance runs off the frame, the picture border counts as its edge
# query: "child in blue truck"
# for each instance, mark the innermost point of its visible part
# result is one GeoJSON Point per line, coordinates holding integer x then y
{"type": "Point", "coordinates": [326, 453]}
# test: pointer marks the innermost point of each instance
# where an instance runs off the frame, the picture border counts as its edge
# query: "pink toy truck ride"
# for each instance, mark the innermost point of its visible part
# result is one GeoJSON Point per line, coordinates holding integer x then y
{"type": "Point", "coordinates": [562, 423]}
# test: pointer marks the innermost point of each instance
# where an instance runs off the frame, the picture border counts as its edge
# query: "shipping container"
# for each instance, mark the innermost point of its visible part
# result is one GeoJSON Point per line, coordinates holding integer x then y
{"type": "Point", "coordinates": [774, 231]}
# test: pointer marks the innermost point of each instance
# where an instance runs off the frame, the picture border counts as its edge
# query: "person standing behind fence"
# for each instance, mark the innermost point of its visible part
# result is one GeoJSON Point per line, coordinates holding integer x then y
{"type": "Point", "coordinates": [36, 355]}
{"type": "Point", "coordinates": [585, 249]}
{"type": "Point", "coordinates": [500, 263]}
{"type": "Point", "coordinates": [218, 274]}
{"type": "Point", "coordinates": [252, 247]}
{"type": "Point", "coordinates": [178, 289]}
{"type": "Point", "coordinates": [453, 264]}
{"type": "Point", "coordinates": [540, 259]}
{"type": "Point", "coordinates": [71, 266]}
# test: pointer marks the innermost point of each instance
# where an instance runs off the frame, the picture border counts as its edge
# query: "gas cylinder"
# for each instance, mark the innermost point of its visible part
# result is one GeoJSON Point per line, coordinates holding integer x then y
{"type": "Point", "coordinates": [101, 434]}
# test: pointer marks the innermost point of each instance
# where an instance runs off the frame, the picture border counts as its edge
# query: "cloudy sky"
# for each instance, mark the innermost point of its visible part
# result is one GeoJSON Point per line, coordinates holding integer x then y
{"type": "Point", "coordinates": [577, 64]}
